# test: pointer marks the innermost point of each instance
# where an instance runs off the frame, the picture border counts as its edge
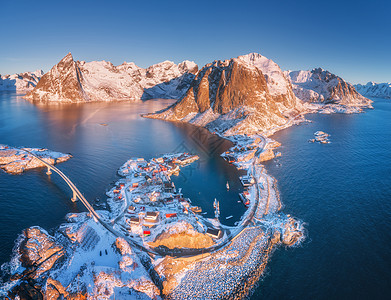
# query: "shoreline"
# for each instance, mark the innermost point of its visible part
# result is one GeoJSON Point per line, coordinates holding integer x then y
{"type": "Point", "coordinates": [273, 221]}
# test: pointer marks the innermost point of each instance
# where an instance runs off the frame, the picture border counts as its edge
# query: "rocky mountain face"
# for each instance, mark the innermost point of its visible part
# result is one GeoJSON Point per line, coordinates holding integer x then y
{"type": "Point", "coordinates": [372, 89]}
{"type": "Point", "coordinates": [247, 94]}
{"type": "Point", "coordinates": [79, 81]}
{"type": "Point", "coordinates": [321, 86]}
{"type": "Point", "coordinates": [20, 82]}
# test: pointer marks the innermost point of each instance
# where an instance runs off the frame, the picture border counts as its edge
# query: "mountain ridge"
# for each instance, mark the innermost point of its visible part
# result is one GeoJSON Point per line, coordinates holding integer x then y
{"type": "Point", "coordinates": [80, 81]}
{"type": "Point", "coordinates": [20, 82]}
{"type": "Point", "coordinates": [240, 95]}
{"type": "Point", "coordinates": [373, 89]}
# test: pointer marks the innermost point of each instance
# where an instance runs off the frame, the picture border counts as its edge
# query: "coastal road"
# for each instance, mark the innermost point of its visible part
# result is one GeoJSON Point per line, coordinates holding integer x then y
{"type": "Point", "coordinates": [93, 213]}
{"type": "Point", "coordinates": [161, 250]}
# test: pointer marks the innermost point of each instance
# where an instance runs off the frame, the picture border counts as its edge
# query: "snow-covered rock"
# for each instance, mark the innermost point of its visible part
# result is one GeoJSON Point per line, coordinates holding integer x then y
{"type": "Point", "coordinates": [17, 160]}
{"type": "Point", "coordinates": [21, 82]}
{"type": "Point", "coordinates": [248, 94]}
{"type": "Point", "coordinates": [372, 89]}
{"type": "Point", "coordinates": [95, 265]}
{"type": "Point", "coordinates": [321, 86]}
{"type": "Point", "coordinates": [80, 81]}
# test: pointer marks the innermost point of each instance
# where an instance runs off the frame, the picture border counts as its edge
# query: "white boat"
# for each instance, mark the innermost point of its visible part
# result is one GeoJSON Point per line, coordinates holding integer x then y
{"type": "Point", "coordinates": [227, 185]}
{"type": "Point", "coordinates": [229, 217]}
{"type": "Point", "coordinates": [244, 197]}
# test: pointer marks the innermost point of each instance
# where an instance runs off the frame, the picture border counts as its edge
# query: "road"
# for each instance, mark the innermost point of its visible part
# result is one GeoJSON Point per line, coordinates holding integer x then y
{"type": "Point", "coordinates": [160, 250]}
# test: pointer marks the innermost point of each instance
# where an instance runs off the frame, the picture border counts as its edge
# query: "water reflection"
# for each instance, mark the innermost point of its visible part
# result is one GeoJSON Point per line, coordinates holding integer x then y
{"type": "Point", "coordinates": [98, 151]}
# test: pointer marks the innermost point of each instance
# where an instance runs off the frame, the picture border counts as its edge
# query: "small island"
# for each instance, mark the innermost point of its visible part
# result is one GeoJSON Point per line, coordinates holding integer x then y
{"type": "Point", "coordinates": [320, 137]}
{"type": "Point", "coordinates": [153, 242]}
{"type": "Point", "coordinates": [17, 160]}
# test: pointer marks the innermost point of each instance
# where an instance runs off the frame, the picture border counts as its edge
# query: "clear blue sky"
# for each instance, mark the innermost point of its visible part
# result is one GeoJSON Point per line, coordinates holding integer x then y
{"type": "Point", "coordinates": [349, 38]}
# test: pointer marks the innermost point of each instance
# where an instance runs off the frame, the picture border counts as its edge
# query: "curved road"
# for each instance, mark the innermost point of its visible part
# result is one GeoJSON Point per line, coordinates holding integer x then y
{"type": "Point", "coordinates": [160, 251]}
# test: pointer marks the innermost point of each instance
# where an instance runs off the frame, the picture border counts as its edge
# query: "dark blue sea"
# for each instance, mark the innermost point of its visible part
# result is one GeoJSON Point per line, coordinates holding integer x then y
{"type": "Point", "coordinates": [342, 190]}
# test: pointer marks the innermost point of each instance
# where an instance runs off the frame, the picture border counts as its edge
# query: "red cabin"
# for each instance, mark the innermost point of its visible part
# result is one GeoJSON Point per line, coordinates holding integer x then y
{"type": "Point", "coordinates": [172, 215]}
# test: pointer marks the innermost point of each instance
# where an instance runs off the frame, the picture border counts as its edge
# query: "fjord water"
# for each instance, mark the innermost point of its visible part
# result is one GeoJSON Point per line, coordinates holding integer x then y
{"type": "Point", "coordinates": [342, 191]}
{"type": "Point", "coordinates": [33, 198]}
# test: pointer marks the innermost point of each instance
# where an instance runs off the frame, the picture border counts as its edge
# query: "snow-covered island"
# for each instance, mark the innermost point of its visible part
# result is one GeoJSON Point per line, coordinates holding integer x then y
{"type": "Point", "coordinates": [153, 242]}
{"type": "Point", "coordinates": [18, 160]}
{"type": "Point", "coordinates": [163, 247]}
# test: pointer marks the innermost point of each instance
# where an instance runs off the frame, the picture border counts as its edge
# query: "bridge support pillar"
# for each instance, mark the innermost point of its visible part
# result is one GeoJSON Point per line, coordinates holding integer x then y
{"type": "Point", "coordinates": [48, 172]}
{"type": "Point", "coordinates": [74, 197]}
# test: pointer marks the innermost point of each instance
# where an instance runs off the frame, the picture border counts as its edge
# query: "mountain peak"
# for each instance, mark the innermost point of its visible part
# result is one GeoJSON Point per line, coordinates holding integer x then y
{"type": "Point", "coordinates": [79, 81]}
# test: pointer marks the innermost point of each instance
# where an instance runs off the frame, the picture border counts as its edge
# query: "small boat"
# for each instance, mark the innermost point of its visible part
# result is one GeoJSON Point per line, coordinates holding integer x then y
{"type": "Point", "coordinates": [243, 197]}
{"type": "Point", "coordinates": [229, 217]}
{"type": "Point", "coordinates": [227, 186]}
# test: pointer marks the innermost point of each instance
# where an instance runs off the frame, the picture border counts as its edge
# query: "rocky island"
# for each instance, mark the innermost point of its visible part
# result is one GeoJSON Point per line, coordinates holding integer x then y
{"type": "Point", "coordinates": [18, 160]}
{"type": "Point", "coordinates": [159, 244]}
{"type": "Point", "coordinates": [153, 242]}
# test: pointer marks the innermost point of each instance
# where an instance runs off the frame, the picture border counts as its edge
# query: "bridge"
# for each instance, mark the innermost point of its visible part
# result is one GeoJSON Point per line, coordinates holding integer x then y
{"type": "Point", "coordinates": [78, 195]}
{"type": "Point", "coordinates": [158, 250]}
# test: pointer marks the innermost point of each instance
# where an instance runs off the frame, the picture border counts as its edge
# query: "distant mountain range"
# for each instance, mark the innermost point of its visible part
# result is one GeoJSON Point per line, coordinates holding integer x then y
{"type": "Point", "coordinates": [247, 94]}
{"type": "Point", "coordinates": [20, 82]}
{"type": "Point", "coordinates": [372, 89]}
{"type": "Point", "coordinates": [251, 94]}
{"type": "Point", "coordinates": [79, 81]}
{"type": "Point", "coordinates": [319, 85]}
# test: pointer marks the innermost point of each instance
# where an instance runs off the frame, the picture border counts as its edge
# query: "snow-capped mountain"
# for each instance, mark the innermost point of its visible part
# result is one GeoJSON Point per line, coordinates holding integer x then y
{"type": "Point", "coordinates": [372, 89]}
{"type": "Point", "coordinates": [20, 82]}
{"type": "Point", "coordinates": [80, 81]}
{"type": "Point", "coordinates": [247, 94]}
{"type": "Point", "coordinates": [321, 86]}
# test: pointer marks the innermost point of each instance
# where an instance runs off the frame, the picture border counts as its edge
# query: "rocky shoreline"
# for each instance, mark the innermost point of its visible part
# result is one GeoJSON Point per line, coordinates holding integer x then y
{"type": "Point", "coordinates": [17, 160]}
{"type": "Point", "coordinates": [83, 260]}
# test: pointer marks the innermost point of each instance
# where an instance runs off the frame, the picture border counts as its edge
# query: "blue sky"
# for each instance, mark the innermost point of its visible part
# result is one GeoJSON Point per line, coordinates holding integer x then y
{"type": "Point", "coordinates": [351, 39]}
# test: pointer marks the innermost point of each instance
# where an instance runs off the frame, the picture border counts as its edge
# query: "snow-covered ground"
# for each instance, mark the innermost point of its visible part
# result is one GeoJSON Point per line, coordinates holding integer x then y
{"type": "Point", "coordinates": [17, 160]}
{"type": "Point", "coordinates": [80, 81]}
{"type": "Point", "coordinates": [85, 259]}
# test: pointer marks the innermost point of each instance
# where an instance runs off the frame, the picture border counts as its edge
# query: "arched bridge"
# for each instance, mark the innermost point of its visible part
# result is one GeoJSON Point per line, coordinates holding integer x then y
{"type": "Point", "coordinates": [76, 192]}
{"type": "Point", "coordinates": [94, 214]}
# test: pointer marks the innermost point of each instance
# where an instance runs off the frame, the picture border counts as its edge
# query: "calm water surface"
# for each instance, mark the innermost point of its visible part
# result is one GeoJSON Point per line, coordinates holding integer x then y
{"type": "Point", "coordinates": [33, 198]}
{"type": "Point", "coordinates": [341, 190]}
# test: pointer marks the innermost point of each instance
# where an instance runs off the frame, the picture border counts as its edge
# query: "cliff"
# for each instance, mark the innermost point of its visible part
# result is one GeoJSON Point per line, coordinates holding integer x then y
{"type": "Point", "coordinates": [79, 81]}
{"type": "Point", "coordinates": [248, 94]}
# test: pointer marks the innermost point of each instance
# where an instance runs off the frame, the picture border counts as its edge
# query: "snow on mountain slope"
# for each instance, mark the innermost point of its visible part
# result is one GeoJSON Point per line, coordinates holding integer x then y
{"type": "Point", "coordinates": [321, 86]}
{"type": "Point", "coordinates": [74, 81]}
{"type": "Point", "coordinates": [20, 82]}
{"type": "Point", "coordinates": [372, 89]}
{"type": "Point", "coordinates": [248, 94]}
